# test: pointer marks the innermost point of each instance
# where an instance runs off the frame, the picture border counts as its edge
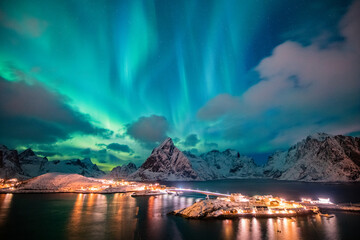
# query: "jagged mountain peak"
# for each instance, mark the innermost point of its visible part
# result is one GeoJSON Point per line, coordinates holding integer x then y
{"type": "Point", "coordinates": [3, 147]}
{"type": "Point", "coordinates": [166, 162]}
{"type": "Point", "coordinates": [123, 171]}
{"type": "Point", "coordinates": [27, 153]}
{"type": "Point", "coordinates": [87, 161]}
{"type": "Point", "coordinates": [320, 136]}
{"type": "Point", "coordinates": [232, 152]}
{"type": "Point", "coordinates": [321, 157]}
{"type": "Point", "coordinates": [214, 151]}
{"type": "Point", "coordinates": [166, 144]}
{"type": "Point", "coordinates": [131, 165]}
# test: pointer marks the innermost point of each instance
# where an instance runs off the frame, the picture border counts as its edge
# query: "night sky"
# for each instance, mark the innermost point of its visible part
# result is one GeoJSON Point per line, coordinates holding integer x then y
{"type": "Point", "coordinates": [111, 79]}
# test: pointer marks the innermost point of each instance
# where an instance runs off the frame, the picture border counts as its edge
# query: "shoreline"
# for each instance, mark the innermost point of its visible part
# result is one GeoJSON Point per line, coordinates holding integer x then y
{"type": "Point", "coordinates": [48, 192]}
{"type": "Point", "coordinates": [246, 215]}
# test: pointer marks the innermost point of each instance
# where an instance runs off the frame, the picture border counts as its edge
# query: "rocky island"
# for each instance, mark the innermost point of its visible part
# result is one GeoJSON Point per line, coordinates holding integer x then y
{"type": "Point", "coordinates": [237, 205]}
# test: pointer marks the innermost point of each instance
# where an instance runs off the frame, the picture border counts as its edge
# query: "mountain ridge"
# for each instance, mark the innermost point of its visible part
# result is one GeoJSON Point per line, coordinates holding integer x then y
{"type": "Point", "coordinates": [166, 162]}
{"type": "Point", "coordinates": [317, 158]}
{"type": "Point", "coordinates": [28, 165]}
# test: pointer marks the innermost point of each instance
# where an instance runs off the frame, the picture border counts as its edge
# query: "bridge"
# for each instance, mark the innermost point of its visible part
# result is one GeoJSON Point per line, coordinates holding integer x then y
{"type": "Point", "coordinates": [207, 193]}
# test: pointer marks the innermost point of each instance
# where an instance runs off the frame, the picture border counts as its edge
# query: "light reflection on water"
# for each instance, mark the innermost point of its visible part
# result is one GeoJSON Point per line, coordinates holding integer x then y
{"type": "Point", "coordinates": [92, 214]}
{"type": "Point", "coordinates": [76, 215]}
{"type": "Point", "coordinates": [120, 216]}
{"type": "Point", "coordinates": [123, 216]}
{"type": "Point", "coordinates": [228, 231]}
{"type": "Point", "coordinates": [5, 201]}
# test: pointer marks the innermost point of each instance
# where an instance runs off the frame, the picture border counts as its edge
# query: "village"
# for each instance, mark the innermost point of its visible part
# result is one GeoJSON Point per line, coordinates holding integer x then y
{"type": "Point", "coordinates": [238, 205]}
{"type": "Point", "coordinates": [214, 205]}
{"type": "Point", "coordinates": [73, 183]}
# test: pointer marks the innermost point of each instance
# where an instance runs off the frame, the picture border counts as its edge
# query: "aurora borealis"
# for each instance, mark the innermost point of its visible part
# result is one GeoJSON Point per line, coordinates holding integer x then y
{"type": "Point", "coordinates": [111, 79]}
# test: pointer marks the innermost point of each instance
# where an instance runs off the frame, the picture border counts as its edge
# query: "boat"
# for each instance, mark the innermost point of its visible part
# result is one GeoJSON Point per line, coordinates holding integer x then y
{"type": "Point", "coordinates": [326, 215]}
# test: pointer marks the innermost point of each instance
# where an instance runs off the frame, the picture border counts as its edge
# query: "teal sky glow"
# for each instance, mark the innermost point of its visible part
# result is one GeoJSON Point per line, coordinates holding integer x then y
{"type": "Point", "coordinates": [111, 79]}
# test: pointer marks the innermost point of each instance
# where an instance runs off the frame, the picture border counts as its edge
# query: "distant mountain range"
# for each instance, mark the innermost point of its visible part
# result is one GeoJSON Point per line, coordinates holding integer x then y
{"type": "Point", "coordinates": [318, 158]}
{"type": "Point", "coordinates": [124, 171]}
{"type": "Point", "coordinates": [28, 165]}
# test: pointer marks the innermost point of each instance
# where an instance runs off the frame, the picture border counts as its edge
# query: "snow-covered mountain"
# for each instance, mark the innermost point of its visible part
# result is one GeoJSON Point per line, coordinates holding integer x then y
{"type": "Point", "coordinates": [230, 164]}
{"type": "Point", "coordinates": [83, 167]}
{"type": "Point", "coordinates": [28, 164]}
{"type": "Point", "coordinates": [166, 162]}
{"type": "Point", "coordinates": [122, 171]}
{"type": "Point", "coordinates": [31, 164]}
{"type": "Point", "coordinates": [318, 158]}
{"type": "Point", "coordinates": [9, 163]}
{"type": "Point", "coordinates": [227, 164]}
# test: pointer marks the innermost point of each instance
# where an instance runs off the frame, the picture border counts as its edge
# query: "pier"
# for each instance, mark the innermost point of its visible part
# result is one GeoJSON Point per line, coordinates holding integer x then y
{"type": "Point", "coordinates": [207, 193]}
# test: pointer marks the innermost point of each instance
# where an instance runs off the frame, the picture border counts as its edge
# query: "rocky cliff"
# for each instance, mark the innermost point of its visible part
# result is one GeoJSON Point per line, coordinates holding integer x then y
{"type": "Point", "coordinates": [318, 158]}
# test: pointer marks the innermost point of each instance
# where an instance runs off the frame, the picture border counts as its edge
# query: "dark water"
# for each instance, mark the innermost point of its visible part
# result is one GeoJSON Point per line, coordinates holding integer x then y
{"type": "Point", "coordinates": [120, 216]}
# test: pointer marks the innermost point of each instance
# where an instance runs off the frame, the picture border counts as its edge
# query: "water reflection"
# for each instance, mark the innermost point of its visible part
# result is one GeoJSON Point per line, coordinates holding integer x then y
{"type": "Point", "coordinates": [123, 210]}
{"type": "Point", "coordinates": [285, 228]}
{"type": "Point", "coordinates": [76, 215]}
{"type": "Point", "coordinates": [271, 228]}
{"type": "Point", "coordinates": [154, 223]}
{"type": "Point", "coordinates": [244, 229]}
{"type": "Point", "coordinates": [5, 201]}
{"type": "Point", "coordinates": [331, 228]}
{"type": "Point", "coordinates": [94, 216]}
{"type": "Point", "coordinates": [96, 212]}
{"type": "Point", "coordinates": [120, 216]}
{"type": "Point", "coordinates": [228, 230]}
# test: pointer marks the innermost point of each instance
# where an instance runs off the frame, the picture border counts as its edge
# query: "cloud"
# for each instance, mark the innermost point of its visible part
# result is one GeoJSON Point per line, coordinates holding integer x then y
{"type": "Point", "coordinates": [47, 154]}
{"type": "Point", "coordinates": [119, 147]}
{"type": "Point", "coordinates": [191, 140]}
{"type": "Point", "coordinates": [211, 145]}
{"type": "Point", "coordinates": [102, 145]}
{"type": "Point", "coordinates": [86, 152]}
{"type": "Point", "coordinates": [176, 140]}
{"type": "Point", "coordinates": [218, 106]}
{"type": "Point", "coordinates": [110, 158]}
{"type": "Point", "coordinates": [27, 25]}
{"type": "Point", "coordinates": [31, 114]}
{"type": "Point", "coordinates": [102, 151]}
{"type": "Point", "coordinates": [149, 130]}
{"type": "Point", "coordinates": [303, 89]}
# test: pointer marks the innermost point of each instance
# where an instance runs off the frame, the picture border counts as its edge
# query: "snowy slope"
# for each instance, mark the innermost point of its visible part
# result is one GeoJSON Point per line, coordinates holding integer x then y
{"type": "Point", "coordinates": [200, 166]}
{"type": "Point", "coordinates": [166, 162]}
{"type": "Point", "coordinates": [320, 157]}
{"type": "Point", "coordinates": [230, 164]}
{"type": "Point", "coordinates": [59, 182]}
{"type": "Point", "coordinates": [221, 165]}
